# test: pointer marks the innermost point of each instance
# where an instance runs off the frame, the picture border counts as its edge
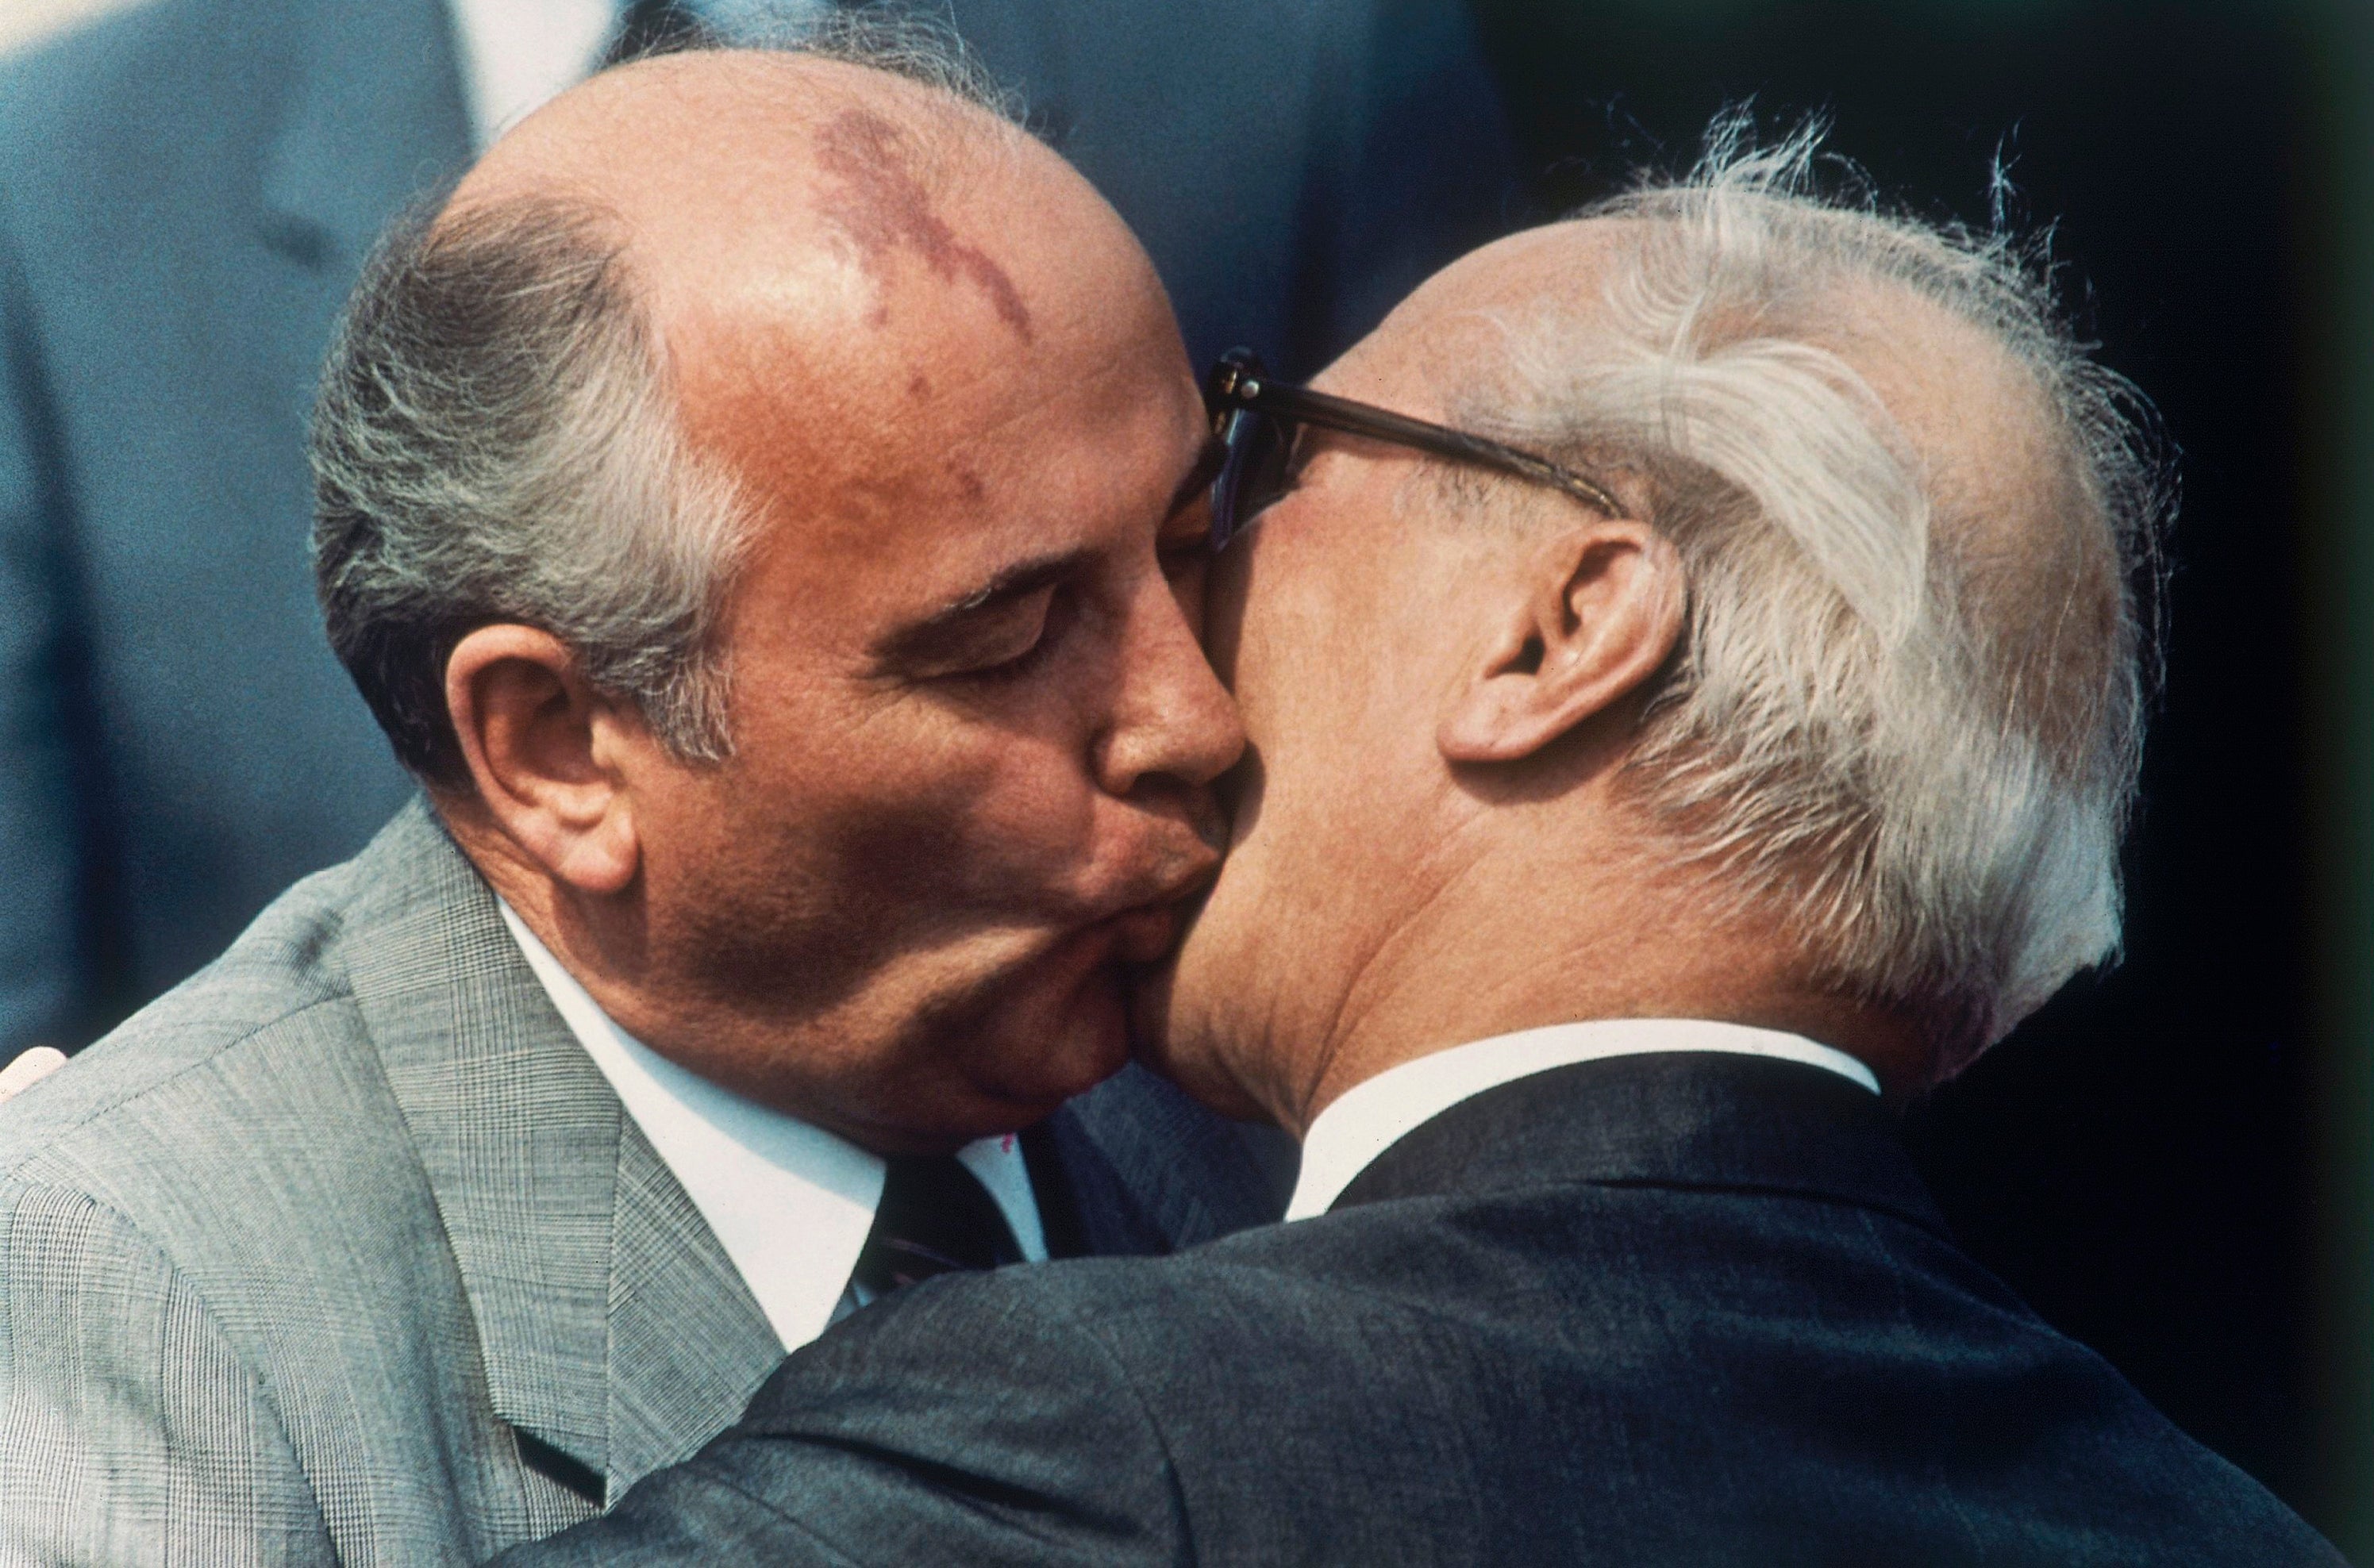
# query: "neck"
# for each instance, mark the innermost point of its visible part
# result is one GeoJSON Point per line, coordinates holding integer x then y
{"type": "Point", "coordinates": [602, 942]}
{"type": "Point", "coordinates": [534, 895]}
{"type": "Point", "coordinates": [1480, 961]}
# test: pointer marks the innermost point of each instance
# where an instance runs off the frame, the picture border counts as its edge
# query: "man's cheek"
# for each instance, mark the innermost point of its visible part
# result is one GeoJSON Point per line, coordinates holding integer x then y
{"type": "Point", "coordinates": [1008, 827]}
{"type": "Point", "coordinates": [1034, 829]}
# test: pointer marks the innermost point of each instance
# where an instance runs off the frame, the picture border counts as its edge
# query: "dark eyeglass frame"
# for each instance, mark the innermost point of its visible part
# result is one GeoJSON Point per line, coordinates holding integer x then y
{"type": "Point", "coordinates": [1239, 388]}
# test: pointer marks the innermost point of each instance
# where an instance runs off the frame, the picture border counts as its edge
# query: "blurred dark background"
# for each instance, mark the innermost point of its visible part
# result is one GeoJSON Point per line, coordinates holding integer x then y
{"type": "Point", "coordinates": [2168, 1162]}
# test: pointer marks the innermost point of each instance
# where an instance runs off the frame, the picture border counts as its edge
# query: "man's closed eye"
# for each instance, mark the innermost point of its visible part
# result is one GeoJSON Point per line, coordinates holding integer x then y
{"type": "Point", "coordinates": [1019, 637]}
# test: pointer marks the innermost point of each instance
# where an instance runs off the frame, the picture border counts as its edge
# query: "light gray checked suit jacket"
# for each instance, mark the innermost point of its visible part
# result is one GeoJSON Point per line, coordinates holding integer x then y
{"type": "Point", "coordinates": [291, 1261]}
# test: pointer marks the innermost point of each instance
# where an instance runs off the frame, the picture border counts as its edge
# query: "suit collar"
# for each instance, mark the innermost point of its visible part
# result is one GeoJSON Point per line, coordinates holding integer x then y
{"type": "Point", "coordinates": [688, 1344]}
{"type": "Point", "coordinates": [374, 117]}
{"type": "Point", "coordinates": [1685, 1119]}
{"type": "Point", "coordinates": [1372, 1116]}
{"type": "Point", "coordinates": [611, 1324]}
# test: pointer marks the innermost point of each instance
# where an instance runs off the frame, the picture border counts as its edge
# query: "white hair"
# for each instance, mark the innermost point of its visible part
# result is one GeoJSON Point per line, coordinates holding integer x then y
{"type": "Point", "coordinates": [1884, 731]}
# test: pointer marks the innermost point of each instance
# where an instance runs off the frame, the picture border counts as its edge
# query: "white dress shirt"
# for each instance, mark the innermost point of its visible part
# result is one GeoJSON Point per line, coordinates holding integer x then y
{"type": "Point", "coordinates": [516, 54]}
{"type": "Point", "coordinates": [1371, 1116]}
{"type": "Point", "coordinates": [790, 1203]}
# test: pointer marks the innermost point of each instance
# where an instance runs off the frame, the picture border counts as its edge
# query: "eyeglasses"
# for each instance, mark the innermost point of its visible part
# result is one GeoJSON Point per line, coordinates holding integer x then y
{"type": "Point", "coordinates": [1255, 419]}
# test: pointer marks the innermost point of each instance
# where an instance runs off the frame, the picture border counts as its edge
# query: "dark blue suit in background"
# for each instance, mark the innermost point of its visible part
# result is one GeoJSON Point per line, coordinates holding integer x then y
{"type": "Point", "coordinates": [186, 191]}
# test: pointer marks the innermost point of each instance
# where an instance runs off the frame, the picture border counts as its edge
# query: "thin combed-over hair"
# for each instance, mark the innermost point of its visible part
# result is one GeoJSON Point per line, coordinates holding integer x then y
{"type": "Point", "coordinates": [1879, 732]}
{"type": "Point", "coordinates": [496, 440]}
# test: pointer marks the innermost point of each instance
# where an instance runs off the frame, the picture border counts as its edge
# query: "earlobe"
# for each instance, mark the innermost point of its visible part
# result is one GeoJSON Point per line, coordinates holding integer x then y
{"type": "Point", "coordinates": [533, 732]}
{"type": "Point", "coordinates": [1595, 613]}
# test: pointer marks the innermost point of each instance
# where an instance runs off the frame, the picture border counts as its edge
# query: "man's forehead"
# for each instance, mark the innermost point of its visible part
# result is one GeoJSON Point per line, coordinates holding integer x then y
{"type": "Point", "coordinates": [825, 287]}
{"type": "Point", "coordinates": [894, 320]}
{"type": "Point", "coordinates": [682, 130]}
{"type": "Point", "coordinates": [1461, 322]}
{"type": "Point", "coordinates": [969, 420]}
{"type": "Point", "coordinates": [945, 512]}
{"type": "Point", "coordinates": [876, 198]}
{"type": "Point", "coordinates": [732, 171]}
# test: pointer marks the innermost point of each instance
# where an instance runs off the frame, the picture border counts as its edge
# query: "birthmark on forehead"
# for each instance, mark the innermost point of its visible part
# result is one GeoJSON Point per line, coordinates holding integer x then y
{"type": "Point", "coordinates": [880, 204]}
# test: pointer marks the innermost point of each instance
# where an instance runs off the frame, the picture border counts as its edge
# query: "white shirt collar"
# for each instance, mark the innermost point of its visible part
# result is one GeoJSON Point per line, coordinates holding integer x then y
{"type": "Point", "coordinates": [1370, 1117]}
{"type": "Point", "coordinates": [518, 53]}
{"type": "Point", "coordinates": [788, 1202]}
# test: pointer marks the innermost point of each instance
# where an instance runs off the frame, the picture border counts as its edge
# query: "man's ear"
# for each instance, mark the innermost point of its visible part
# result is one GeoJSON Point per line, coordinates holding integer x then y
{"type": "Point", "coordinates": [1600, 611]}
{"type": "Point", "coordinates": [542, 747]}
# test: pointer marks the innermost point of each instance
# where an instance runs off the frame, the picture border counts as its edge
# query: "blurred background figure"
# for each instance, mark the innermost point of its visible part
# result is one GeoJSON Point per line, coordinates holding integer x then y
{"type": "Point", "coordinates": [187, 188]}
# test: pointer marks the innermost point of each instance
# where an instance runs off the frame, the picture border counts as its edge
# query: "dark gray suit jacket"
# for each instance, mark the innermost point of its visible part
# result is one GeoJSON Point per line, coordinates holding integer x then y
{"type": "Point", "coordinates": [187, 189]}
{"type": "Point", "coordinates": [1681, 1309]}
{"type": "Point", "coordinates": [346, 1252]}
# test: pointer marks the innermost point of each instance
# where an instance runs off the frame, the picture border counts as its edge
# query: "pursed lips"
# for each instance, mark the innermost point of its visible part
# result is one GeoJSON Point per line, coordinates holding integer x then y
{"type": "Point", "coordinates": [1144, 931]}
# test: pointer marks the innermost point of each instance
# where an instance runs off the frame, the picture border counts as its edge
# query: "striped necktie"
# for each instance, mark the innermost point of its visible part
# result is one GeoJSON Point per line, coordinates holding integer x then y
{"type": "Point", "coordinates": [934, 1218]}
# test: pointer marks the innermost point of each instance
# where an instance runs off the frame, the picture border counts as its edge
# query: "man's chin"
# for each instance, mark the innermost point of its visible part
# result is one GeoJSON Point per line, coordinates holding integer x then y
{"type": "Point", "coordinates": [1008, 1052]}
{"type": "Point", "coordinates": [1076, 1041]}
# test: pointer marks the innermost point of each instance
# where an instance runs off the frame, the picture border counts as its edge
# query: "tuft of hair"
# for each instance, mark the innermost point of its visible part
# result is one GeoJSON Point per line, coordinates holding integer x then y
{"type": "Point", "coordinates": [495, 439]}
{"type": "Point", "coordinates": [1886, 731]}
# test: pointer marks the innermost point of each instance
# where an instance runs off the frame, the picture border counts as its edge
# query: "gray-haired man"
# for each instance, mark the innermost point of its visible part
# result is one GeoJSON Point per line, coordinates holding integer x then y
{"type": "Point", "coordinates": [745, 508]}
{"type": "Point", "coordinates": [1625, 819]}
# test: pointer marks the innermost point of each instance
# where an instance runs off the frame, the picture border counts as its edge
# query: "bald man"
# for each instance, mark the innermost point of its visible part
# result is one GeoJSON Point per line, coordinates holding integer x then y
{"type": "Point", "coordinates": [757, 507]}
{"type": "Point", "coordinates": [191, 187]}
{"type": "Point", "coordinates": [1632, 813]}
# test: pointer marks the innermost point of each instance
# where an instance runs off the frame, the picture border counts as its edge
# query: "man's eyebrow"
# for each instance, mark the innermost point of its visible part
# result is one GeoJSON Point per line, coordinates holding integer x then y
{"type": "Point", "coordinates": [1018, 580]}
{"type": "Point", "coordinates": [1208, 464]}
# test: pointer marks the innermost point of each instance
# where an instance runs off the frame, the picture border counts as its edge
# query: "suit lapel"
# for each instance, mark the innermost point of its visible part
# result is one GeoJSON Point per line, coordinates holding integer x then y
{"type": "Point", "coordinates": [1679, 1118]}
{"type": "Point", "coordinates": [374, 119]}
{"type": "Point", "coordinates": [516, 1129]}
{"type": "Point", "coordinates": [1151, 1171]}
{"type": "Point", "coordinates": [1085, 1208]}
{"type": "Point", "coordinates": [688, 1343]}
{"type": "Point", "coordinates": [612, 1326]}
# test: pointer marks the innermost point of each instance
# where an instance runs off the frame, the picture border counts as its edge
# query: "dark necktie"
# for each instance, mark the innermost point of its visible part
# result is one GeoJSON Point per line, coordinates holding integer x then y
{"type": "Point", "coordinates": [934, 1218]}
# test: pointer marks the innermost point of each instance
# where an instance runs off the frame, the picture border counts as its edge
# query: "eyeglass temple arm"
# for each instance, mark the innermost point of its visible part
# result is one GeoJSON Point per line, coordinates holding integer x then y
{"type": "Point", "coordinates": [1258, 392]}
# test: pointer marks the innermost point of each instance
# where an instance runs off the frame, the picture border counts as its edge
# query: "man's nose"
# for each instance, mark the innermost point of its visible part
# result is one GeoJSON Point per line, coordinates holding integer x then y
{"type": "Point", "coordinates": [1171, 718]}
